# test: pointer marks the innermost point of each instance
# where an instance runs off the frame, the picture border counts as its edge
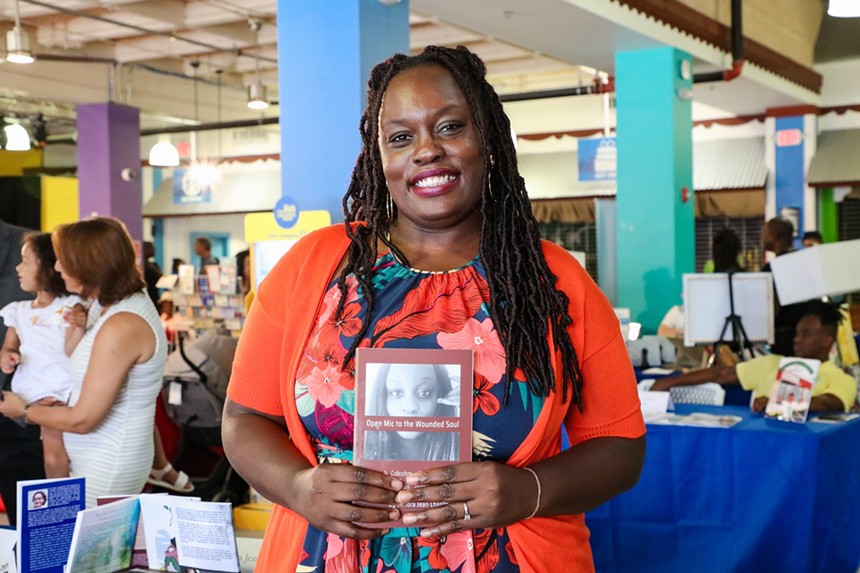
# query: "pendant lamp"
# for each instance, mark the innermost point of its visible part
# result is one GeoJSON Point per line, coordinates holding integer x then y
{"type": "Point", "coordinates": [844, 8]}
{"type": "Point", "coordinates": [17, 138]}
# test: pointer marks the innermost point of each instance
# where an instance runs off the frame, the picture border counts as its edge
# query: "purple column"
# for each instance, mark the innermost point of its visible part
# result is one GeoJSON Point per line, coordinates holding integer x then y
{"type": "Point", "coordinates": [109, 146]}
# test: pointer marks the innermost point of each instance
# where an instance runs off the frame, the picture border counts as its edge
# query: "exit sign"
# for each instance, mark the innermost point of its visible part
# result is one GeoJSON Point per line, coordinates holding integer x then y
{"type": "Point", "coordinates": [788, 137]}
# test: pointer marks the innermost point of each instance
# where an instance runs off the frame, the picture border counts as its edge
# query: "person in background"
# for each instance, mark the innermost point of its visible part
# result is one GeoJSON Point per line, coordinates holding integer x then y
{"type": "Point", "coordinates": [203, 249]}
{"type": "Point", "coordinates": [811, 238]}
{"type": "Point", "coordinates": [38, 341]}
{"type": "Point", "coordinates": [151, 270]}
{"type": "Point", "coordinates": [777, 237]}
{"type": "Point", "coordinates": [21, 455]}
{"type": "Point", "coordinates": [725, 249]}
{"type": "Point", "coordinates": [243, 270]}
{"type": "Point", "coordinates": [439, 249]}
{"type": "Point", "coordinates": [816, 332]}
{"type": "Point", "coordinates": [116, 368]}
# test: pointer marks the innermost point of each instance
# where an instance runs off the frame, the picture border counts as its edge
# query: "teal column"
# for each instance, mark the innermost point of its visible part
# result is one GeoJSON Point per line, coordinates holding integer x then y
{"type": "Point", "coordinates": [326, 49]}
{"type": "Point", "coordinates": [656, 243]}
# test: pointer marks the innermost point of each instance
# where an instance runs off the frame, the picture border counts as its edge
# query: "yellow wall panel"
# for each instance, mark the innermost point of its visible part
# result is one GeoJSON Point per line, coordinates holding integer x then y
{"type": "Point", "coordinates": [13, 163]}
{"type": "Point", "coordinates": [59, 201]}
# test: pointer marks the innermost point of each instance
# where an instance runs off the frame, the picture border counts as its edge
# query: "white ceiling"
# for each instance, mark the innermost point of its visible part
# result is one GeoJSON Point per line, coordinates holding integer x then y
{"type": "Point", "coordinates": [528, 45]}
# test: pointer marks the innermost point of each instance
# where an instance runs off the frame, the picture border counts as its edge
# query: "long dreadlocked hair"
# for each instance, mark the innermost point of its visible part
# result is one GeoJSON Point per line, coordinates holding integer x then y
{"type": "Point", "coordinates": [524, 303]}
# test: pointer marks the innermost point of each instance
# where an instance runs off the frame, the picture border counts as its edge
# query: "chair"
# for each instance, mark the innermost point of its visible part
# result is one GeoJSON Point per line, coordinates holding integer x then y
{"type": "Point", "coordinates": [707, 394]}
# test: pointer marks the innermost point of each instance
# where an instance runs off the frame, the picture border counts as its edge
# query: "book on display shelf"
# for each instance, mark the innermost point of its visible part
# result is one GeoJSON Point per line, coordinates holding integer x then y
{"type": "Point", "coordinates": [413, 411]}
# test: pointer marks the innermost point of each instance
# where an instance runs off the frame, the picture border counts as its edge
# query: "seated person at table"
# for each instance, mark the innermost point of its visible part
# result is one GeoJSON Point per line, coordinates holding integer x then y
{"type": "Point", "coordinates": [814, 336]}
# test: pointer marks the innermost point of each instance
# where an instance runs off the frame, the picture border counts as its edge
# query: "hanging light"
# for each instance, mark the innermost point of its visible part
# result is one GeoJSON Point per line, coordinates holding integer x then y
{"type": "Point", "coordinates": [256, 90]}
{"type": "Point", "coordinates": [18, 47]}
{"type": "Point", "coordinates": [163, 154]}
{"type": "Point", "coordinates": [17, 138]}
{"type": "Point", "coordinates": [257, 96]}
{"type": "Point", "coordinates": [844, 8]}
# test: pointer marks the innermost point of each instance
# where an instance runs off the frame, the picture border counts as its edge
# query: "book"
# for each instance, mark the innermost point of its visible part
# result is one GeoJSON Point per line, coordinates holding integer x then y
{"type": "Point", "coordinates": [138, 555]}
{"type": "Point", "coordinates": [413, 411]}
{"type": "Point", "coordinates": [8, 538]}
{"type": "Point", "coordinates": [159, 530]}
{"type": "Point", "coordinates": [47, 509]}
{"type": "Point", "coordinates": [791, 392]}
{"type": "Point", "coordinates": [103, 539]}
{"type": "Point", "coordinates": [205, 538]}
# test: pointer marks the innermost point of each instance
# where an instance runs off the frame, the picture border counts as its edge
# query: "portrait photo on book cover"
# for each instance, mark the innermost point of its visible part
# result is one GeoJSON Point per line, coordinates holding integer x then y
{"type": "Point", "coordinates": [413, 398]}
{"type": "Point", "coordinates": [38, 499]}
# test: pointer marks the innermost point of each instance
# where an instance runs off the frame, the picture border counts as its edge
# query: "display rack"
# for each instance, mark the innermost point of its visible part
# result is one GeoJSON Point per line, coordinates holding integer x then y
{"type": "Point", "coordinates": [211, 302]}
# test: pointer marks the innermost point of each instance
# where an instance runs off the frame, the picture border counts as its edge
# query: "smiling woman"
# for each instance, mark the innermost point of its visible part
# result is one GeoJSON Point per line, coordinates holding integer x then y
{"type": "Point", "coordinates": [439, 250]}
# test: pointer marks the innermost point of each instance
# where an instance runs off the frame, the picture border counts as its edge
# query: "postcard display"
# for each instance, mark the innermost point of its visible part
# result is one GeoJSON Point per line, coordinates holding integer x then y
{"type": "Point", "coordinates": [444, 435]}
{"type": "Point", "coordinates": [210, 300]}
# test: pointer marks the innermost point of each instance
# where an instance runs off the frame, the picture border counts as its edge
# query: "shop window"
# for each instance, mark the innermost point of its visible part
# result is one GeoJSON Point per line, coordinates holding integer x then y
{"type": "Point", "coordinates": [579, 236]}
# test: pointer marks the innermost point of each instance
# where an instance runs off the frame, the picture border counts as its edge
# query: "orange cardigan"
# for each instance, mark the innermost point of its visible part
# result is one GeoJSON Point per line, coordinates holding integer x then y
{"type": "Point", "coordinates": [275, 335]}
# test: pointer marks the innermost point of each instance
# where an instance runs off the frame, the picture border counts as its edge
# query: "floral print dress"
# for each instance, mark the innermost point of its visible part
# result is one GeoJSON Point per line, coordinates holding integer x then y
{"type": "Point", "coordinates": [413, 309]}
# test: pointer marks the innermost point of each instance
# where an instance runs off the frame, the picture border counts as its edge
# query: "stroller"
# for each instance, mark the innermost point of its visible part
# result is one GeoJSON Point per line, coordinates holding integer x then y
{"type": "Point", "coordinates": [194, 391]}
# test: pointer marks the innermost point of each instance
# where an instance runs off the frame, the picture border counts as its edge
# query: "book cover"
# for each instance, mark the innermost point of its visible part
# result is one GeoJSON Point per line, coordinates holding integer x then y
{"type": "Point", "coordinates": [205, 539]}
{"type": "Point", "coordinates": [8, 538]}
{"type": "Point", "coordinates": [47, 509]}
{"type": "Point", "coordinates": [103, 539]}
{"type": "Point", "coordinates": [791, 392]}
{"type": "Point", "coordinates": [160, 530]}
{"type": "Point", "coordinates": [413, 410]}
{"type": "Point", "coordinates": [138, 555]}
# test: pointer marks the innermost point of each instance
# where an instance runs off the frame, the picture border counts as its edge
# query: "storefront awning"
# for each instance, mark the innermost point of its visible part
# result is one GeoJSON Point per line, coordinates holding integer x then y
{"type": "Point", "coordinates": [837, 159]}
{"type": "Point", "coordinates": [722, 164]}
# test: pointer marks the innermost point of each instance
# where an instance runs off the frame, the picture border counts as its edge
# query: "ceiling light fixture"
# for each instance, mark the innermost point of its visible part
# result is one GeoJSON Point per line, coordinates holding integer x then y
{"type": "Point", "coordinates": [17, 138]}
{"type": "Point", "coordinates": [18, 47]}
{"type": "Point", "coordinates": [163, 154]}
{"type": "Point", "coordinates": [256, 90]}
{"type": "Point", "coordinates": [844, 8]}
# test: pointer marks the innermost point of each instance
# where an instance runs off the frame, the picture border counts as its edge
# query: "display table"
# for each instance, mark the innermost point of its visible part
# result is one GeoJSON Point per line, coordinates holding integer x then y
{"type": "Point", "coordinates": [762, 495]}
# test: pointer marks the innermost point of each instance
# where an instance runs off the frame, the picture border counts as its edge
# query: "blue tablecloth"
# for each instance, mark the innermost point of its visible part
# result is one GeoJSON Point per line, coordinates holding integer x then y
{"type": "Point", "coordinates": [760, 496]}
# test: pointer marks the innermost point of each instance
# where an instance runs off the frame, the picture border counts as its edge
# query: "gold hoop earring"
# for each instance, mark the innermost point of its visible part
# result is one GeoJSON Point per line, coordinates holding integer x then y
{"type": "Point", "coordinates": [390, 209]}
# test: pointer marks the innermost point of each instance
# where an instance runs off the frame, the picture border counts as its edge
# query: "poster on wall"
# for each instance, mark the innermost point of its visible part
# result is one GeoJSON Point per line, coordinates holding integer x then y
{"type": "Point", "coordinates": [188, 189]}
{"type": "Point", "coordinates": [597, 159]}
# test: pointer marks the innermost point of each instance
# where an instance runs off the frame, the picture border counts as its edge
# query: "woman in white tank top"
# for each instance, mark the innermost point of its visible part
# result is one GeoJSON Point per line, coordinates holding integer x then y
{"type": "Point", "coordinates": [116, 368]}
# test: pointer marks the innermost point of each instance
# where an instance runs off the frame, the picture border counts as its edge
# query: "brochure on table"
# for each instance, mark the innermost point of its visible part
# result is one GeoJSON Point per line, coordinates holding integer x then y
{"type": "Point", "coordinates": [47, 510]}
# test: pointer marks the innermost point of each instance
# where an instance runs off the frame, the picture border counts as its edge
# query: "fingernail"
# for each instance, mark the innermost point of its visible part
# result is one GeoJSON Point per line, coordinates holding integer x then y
{"type": "Point", "coordinates": [396, 484]}
{"type": "Point", "coordinates": [416, 479]}
{"type": "Point", "coordinates": [410, 519]}
{"type": "Point", "coordinates": [393, 514]}
{"type": "Point", "coordinates": [403, 497]}
{"type": "Point", "coordinates": [427, 533]}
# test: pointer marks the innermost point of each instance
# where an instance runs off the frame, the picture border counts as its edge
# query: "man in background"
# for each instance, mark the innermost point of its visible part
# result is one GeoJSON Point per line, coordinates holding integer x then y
{"type": "Point", "coordinates": [203, 249]}
{"type": "Point", "coordinates": [20, 447]}
{"type": "Point", "coordinates": [777, 237]}
{"type": "Point", "coordinates": [834, 391]}
{"type": "Point", "coordinates": [811, 238]}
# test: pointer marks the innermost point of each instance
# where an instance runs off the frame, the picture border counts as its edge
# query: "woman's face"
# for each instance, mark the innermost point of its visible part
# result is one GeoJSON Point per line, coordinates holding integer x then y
{"type": "Point", "coordinates": [72, 284]}
{"type": "Point", "coordinates": [411, 390]}
{"type": "Point", "coordinates": [28, 270]}
{"type": "Point", "coordinates": [431, 152]}
{"type": "Point", "coordinates": [38, 499]}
